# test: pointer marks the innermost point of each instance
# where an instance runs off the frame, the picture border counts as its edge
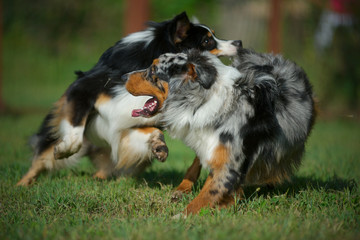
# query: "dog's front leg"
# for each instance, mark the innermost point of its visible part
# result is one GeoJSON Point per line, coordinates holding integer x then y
{"type": "Point", "coordinates": [213, 194]}
{"type": "Point", "coordinates": [219, 187]}
{"type": "Point", "coordinates": [191, 176]}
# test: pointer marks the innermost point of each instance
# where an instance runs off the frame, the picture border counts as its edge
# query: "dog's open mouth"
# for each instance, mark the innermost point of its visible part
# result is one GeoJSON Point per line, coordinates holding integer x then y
{"type": "Point", "coordinates": [148, 110]}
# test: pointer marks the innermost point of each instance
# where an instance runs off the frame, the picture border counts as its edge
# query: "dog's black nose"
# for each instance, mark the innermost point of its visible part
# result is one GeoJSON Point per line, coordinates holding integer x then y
{"type": "Point", "coordinates": [124, 77]}
{"type": "Point", "coordinates": [237, 43]}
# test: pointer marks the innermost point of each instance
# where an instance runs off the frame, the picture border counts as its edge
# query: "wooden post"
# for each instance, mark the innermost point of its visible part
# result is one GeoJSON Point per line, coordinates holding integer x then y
{"type": "Point", "coordinates": [274, 32]}
{"type": "Point", "coordinates": [137, 12]}
{"type": "Point", "coordinates": [2, 104]}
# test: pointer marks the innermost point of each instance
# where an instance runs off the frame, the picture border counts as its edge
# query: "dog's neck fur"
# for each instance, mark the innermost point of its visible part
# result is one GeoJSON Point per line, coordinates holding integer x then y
{"type": "Point", "coordinates": [190, 114]}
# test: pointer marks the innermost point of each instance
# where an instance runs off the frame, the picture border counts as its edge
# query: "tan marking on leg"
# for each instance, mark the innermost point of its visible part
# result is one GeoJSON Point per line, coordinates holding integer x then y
{"type": "Point", "coordinates": [101, 174]}
{"type": "Point", "coordinates": [69, 113]}
{"type": "Point", "coordinates": [191, 176]}
{"type": "Point", "coordinates": [100, 157]}
{"type": "Point", "coordinates": [69, 143]}
{"type": "Point", "coordinates": [58, 116]}
{"type": "Point", "coordinates": [124, 152]}
{"type": "Point", "coordinates": [63, 109]}
{"type": "Point", "coordinates": [204, 199]}
{"type": "Point", "coordinates": [185, 186]}
{"type": "Point", "coordinates": [220, 157]}
{"type": "Point", "coordinates": [229, 199]}
{"type": "Point", "coordinates": [30, 177]}
{"type": "Point", "coordinates": [39, 164]}
{"type": "Point", "coordinates": [207, 197]}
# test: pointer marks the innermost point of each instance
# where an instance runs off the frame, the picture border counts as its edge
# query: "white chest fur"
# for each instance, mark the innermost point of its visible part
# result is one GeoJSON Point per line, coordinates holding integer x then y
{"type": "Point", "coordinates": [202, 140]}
{"type": "Point", "coordinates": [113, 116]}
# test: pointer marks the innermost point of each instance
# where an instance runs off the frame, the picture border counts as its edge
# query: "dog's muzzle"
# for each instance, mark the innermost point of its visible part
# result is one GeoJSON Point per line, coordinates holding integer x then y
{"type": "Point", "coordinates": [237, 43]}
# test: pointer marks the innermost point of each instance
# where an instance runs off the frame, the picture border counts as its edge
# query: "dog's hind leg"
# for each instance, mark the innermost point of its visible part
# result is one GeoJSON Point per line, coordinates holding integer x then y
{"type": "Point", "coordinates": [76, 105]}
{"type": "Point", "coordinates": [137, 147]}
{"type": "Point", "coordinates": [101, 158]}
{"type": "Point", "coordinates": [37, 166]}
{"type": "Point", "coordinates": [191, 176]}
{"type": "Point", "coordinates": [45, 161]}
{"type": "Point", "coordinates": [71, 126]}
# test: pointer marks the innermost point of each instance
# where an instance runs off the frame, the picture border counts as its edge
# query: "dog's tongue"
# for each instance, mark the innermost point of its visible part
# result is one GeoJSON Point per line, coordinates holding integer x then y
{"type": "Point", "coordinates": [147, 110]}
{"type": "Point", "coordinates": [138, 113]}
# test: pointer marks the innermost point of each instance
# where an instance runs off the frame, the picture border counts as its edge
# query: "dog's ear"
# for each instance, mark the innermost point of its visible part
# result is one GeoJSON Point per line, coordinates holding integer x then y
{"type": "Point", "coordinates": [182, 25]}
{"type": "Point", "coordinates": [205, 75]}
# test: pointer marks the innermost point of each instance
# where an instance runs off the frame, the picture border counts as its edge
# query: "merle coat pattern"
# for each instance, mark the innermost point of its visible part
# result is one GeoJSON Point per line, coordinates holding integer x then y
{"type": "Point", "coordinates": [247, 123]}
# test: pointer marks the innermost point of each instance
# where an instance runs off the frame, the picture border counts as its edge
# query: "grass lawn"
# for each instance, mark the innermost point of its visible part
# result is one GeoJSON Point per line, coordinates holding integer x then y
{"type": "Point", "coordinates": [322, 202]}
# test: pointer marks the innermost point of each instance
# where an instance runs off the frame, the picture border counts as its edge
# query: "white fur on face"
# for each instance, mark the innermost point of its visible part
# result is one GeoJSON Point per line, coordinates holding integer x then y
{"type": "Point", "coordinates": [225, 46]}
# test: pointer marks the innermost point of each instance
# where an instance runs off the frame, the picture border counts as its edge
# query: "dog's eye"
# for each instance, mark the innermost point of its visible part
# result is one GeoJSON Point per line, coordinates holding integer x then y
{"type": "Point", "coordinates": [208, 43]}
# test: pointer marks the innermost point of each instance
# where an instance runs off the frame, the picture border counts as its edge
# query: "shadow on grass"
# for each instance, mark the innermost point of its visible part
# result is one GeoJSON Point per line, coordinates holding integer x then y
{"type": "Point", "coordinates": [157, 178]}
{"type": "Point", "coordinates": [292, 188]}
{"type": "Point", "coordinates": [299, 184]}
{"type": "Point", "coordinates": [154, 178]}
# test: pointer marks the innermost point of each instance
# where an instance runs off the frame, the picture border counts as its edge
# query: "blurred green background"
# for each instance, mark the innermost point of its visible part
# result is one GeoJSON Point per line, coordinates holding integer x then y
{"type": "Point", "coordinates": [45, 41]}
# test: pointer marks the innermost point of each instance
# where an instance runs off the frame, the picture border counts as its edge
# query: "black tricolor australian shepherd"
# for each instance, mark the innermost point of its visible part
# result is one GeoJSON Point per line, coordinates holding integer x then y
{"type": "Point", "coordinates": [247, 123]}
{"type": "Point", "coordinates": [96, 106]}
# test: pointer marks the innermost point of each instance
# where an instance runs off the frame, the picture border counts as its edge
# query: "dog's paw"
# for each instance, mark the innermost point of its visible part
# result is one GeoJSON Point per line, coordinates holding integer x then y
{"type": "Point", "coordinates": [158, 146]}
{"type": "Point", "coordinates": [161, 152]}
{"type": "Point", "coordinates": [25, 181]}
{"type": "Point", "coordinates": [100, 175]}
{"type": "Point", "coordinates": [177, 196]}
{"type": "Point", "coordinates": [69, 145]}
{"type": "Point", "coordinates": [185, 187]}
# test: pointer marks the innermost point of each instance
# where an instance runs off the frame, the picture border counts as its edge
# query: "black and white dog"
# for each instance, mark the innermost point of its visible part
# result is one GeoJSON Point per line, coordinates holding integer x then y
{"type": "Point", "coordinates": [98, 105]}
{"type": "Point", "coordinates": [247, 123]}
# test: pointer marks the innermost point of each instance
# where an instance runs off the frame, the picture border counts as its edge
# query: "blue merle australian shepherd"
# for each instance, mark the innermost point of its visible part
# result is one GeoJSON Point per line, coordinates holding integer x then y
{"type": "Point", "coordinates": [247, 123]}
{"type": "Point", "coordinates": [93, 116]}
